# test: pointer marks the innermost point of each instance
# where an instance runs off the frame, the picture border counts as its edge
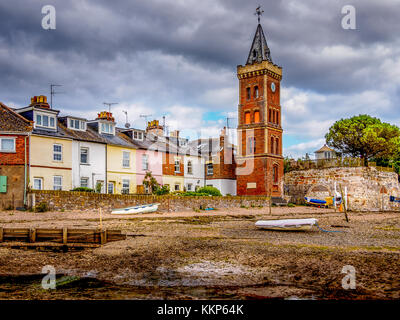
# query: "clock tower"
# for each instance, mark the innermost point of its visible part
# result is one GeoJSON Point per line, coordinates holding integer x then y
{"type": "Point", "coordinates": [259, 158]}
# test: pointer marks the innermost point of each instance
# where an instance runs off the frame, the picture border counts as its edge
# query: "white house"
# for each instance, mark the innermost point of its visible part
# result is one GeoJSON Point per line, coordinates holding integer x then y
{"type": "Point", "coordinates": [194, 172]}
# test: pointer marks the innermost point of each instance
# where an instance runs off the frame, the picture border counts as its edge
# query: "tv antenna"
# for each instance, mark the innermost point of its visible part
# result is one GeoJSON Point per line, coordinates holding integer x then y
{"type": "Point", "coordinates": [109, 104]}
{"type": "Point", "coordinates": [145, 116]}
{"type": "Point", "coordinates": [127, 124]}
{"type": "Point", "coordinates": [53, 92]}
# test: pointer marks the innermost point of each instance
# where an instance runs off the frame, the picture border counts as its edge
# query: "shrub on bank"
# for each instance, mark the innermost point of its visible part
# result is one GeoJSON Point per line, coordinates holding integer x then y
{"type": "Point", "coordinates": [212, 191]}
{"type": "Point", "coordinates": [83, 189]}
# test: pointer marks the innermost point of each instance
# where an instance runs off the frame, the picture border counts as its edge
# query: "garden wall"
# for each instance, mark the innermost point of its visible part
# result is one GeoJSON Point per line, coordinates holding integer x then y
{"type": "Point", "coordinates": [67, 200]}
{"type": "Point", "coordinates": [368, 188]}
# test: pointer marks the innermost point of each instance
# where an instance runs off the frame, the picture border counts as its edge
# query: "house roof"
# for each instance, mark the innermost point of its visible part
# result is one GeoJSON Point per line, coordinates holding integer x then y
{"type": "Point", "coordinates": [323, 149]}
{"type": "Point", "coordinates": [11, 121]}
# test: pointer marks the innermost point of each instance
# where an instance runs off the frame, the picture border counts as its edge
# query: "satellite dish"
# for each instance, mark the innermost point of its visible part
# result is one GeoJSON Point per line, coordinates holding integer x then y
{"type": "Point", "coordinates": [127, 125]}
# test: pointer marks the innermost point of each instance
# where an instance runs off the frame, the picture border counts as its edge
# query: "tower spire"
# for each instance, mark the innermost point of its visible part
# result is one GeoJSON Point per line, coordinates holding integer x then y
{"type": "Point", "coordinates": [259, 50]}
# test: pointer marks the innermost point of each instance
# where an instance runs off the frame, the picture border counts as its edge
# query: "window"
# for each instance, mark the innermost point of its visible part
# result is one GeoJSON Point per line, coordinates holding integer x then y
{"type": "Point", "coordinates": [57, 183]}
{"type": "Point", "coordinates": [272, 145]}
{"type": "Point", "coordinates": [43, 120]}
{"type": "Point", "coordinates": [38, 183]}
{"type": "Point", "coordinates": [7, 144]}
{"type": "Point", "coordinates": [189, 187]}
{"type": "Point", "coordinates": [177, 186]}
{"type": "Point", "coordinates": [77, 124]}
{"type": "Point", "coordinates": [256, 91]}
{"type": "Point", "coordinates": [256, 116]}
{"type": "Point", "coordinates": [277, 146]}
{"type": "Point", "coordinates": [247, 118]}
{"type": "Point", "coordinates": [51, 122]}
{"type": "Point", "coordinates": [177, 166]}
{"type": "Point", "coordinates": [277, 117]}
{"type": "Point", "coordinates": [251, 145]}
{"type": "Point", "coordinates": [126, 157]}
{"type": "Point", "coordinates": [189, 167]}
{"type": "Point", "coordinates": [57, 152]}
{"type": "Point", "coordinates": [110, 188]}
{"type": "Point", "coordinates": [84, 155]}
{"type": "Point", "coordinates": [270, 115]}
{"type": "Point", "coordinates": [39, 120]}
{"type": "Point", "coordinates": [275, 173]}
{"type": "Point", "coordinates": [145, 162]}
{"type": "Point", "coordinates": [140, 134]}
{"type": "Point", "coordinates": [107, 128]}
{"type": "Point", "coordinates": [210, 169]}
{"type": "Point", "coordinates": [248, 93]}
{"type": "Point", "coordinates": [135, 135]}
{"type": "Point", "coordinates": [125, 186]}
{"type": "Point", "coordinates": [84, 182]}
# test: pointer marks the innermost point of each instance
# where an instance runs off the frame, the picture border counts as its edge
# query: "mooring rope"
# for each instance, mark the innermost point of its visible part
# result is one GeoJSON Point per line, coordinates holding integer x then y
{"type": "Point", "coordinates": [323, 230]}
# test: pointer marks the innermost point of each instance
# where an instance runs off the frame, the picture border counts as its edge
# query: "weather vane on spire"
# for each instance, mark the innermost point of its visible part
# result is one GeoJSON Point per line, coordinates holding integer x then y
{"type": "Point", "coordinates": [259, 12]}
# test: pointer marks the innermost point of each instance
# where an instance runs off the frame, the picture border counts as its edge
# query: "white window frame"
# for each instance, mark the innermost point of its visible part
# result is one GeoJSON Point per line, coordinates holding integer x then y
{"type": "Point", "coordinates": [56, 186]}
{"type": "Point", "coordinates": [5, 150]}
{"type": "Point", "coordinates": [124, 189]}
{"type": "Point", "coordinates": [87, 155]}
{"type": "Point", "coordinates": [57, 152]}
{"type": "Point", "coordinates": [210, 172]}
{"type": "Point", "coordinates": [123, 159]}
{"type": "Point", "coordinates": [177, 163]}
{"type": "Point", "coordinates": [145, 162]}
{"type": "Point", "coordinates": [189, 187]}
{"type": "Point", "coordinates": [189, 166]}
{"type": "Point", "coordinates": [87, 182]}
{"type": "Point", "coordinates": [41, 183]}
{"type": "Point", "coordinates": [104, 125]}
{"type": "Point", "coordinates": [72, 124]}
{"type": "Point", "coordinates": [112, 184]}
{"type": "Point", "coordinates": [179, 187]}
{"type": "Point", "coordinates": [50, 118]}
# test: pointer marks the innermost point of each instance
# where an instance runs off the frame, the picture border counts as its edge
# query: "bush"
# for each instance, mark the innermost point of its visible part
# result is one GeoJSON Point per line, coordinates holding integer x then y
{"type": "Point", "coordinates": [162, 191]}
{"type": "Point", "coordinates": [210, 191]}
{"type": "Point", "coordinates": [41, 207]}
{"type": "Point", "coordinates": [291, 205]}
{"type": "Point", "coordinates": [83, 189]}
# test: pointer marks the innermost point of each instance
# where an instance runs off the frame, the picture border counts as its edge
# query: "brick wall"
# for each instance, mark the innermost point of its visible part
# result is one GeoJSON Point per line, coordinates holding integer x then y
{"type": "Point", "coordinates": [168, 165]}
{"type": "Point", "coordinates": [368, 188]}
{"type": "Point", "coordinates": [14, 196]}
{"type": "Point", "coordinates": [58, 200]}
{"type": "Point", "coordinates": [17, 157]}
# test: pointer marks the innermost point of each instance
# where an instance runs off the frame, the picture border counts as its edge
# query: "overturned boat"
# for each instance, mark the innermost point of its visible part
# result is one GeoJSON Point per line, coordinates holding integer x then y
{"type": "Point", "coordinates": [146, 208]}
{"type": "Point", "coordinates": [287, 224]}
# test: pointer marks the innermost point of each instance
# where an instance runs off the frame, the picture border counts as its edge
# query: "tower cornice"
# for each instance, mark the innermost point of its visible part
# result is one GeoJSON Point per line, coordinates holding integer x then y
{"type": "Point", "coordinates": [264, 67]}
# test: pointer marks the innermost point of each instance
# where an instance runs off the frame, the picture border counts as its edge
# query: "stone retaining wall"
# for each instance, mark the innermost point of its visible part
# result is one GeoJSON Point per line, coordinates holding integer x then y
{"type": "Point", "coordinates": [67, 200]}
{"type": "Point", "coordinates": [368, 188]}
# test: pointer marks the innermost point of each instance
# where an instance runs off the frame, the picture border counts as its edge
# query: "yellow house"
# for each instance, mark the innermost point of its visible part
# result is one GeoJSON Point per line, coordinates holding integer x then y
{"type": "Point", "coordinates": [50, 163]}
{"type": "Point", "coordinates": [50, 148]}
{"type": "Point", "coordinates": [121, 164]}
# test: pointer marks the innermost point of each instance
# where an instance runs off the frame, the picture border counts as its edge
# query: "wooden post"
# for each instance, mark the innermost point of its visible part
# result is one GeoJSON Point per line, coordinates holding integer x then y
{"type": "Point", "coordinates": [103, 236]}
{"type": "Point", "coordinates": [101, 222]}
{"type": "Point", "coordinates": [65, 235]}
{"type": "Point", "coordinates": [1, 234]}
{"type": "Point", "coordinates": [32, 235]}
{"type": "Point", "coordinates": [344, 203]}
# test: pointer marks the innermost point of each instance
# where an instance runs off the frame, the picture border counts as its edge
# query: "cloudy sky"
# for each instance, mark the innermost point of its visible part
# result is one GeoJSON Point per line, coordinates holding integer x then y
{"type": "Point", "coordinates": [178, 58]}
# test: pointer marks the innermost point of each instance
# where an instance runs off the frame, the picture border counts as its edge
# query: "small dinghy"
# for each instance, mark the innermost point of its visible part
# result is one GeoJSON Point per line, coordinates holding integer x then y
{"type": "Point", "coordinates": [287, 224]}
{"type": "Point", "coordinates": [146, 208]}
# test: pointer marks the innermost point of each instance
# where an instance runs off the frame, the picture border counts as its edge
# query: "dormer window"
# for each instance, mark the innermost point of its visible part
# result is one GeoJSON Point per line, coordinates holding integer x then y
{"type": "Point", "coordinates": [107, 128]}
{"type": "Point", "coordinates": [77, 124]}
{"type": "Point", "coordinates": [45, 121]}
{"type": "Point", "coordinates": [137, 135]}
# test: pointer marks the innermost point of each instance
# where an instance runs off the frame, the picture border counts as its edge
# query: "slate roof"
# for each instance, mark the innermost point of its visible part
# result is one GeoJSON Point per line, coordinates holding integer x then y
{"type": "Point", "coordinates": [259, 50]}
{"type": "Point", "coordinates": [10, 121]}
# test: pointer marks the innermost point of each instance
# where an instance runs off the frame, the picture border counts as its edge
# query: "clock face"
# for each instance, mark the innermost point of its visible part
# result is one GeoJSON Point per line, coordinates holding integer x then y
{"type": "Point", "coordinates": [273, 87]}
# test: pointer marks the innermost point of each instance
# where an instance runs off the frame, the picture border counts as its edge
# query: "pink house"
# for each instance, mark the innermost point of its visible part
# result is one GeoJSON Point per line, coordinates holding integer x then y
{"type": "Point", "coordinates": [148, 160]}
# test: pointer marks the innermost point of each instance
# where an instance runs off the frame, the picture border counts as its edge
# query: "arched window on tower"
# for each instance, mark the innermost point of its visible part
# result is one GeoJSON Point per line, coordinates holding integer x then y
{"type": "Point", "coordinates": [257, 116]}
{"type": "Point", "coordinates": [247, 119]}
{"type": "Point", "coordinates": [277, 117]}
{"type": "Point", "coordinates": [270, 116]}
{"type": "Point", "coordinates": [277, 146]}
{"type": "Point", "coordinates": [248, 93]}
{"type": "Point", "coordinates": [256, 92]}
{"type": "Point", "coordinates": [272, 145]}
{"type": "Point", "coordinates": [275, 173]}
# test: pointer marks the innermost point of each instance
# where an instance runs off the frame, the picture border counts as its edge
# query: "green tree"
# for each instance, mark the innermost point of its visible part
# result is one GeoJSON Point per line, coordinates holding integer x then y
{"type": "Point", "coordinates": [150, 182]}
{"type": "Point", "coordinates": [365, 137]}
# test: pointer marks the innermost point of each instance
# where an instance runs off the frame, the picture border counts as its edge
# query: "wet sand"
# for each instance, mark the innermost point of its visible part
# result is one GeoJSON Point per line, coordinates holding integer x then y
{"type": "Point", "coordinates": [211, 255]}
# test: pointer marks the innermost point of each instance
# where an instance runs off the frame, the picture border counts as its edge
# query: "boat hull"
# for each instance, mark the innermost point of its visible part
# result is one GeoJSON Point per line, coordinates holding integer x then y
{"type": "Point", "coordinates": [137, 209]}
{"type": "Point", "coordinates": [286, 225]}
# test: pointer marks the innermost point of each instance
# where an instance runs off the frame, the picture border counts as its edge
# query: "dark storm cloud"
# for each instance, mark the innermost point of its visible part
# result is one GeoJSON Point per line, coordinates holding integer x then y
{"type": "Point", "coordinates": [163, 53]}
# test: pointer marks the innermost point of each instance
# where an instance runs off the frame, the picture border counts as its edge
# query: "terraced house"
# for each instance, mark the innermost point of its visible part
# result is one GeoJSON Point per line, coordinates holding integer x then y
{"type": "Point", "coordinates": [15, 133]}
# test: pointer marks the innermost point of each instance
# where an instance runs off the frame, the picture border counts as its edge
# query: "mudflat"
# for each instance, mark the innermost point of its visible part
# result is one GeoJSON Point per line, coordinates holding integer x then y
{"type": "Point", "coordinates": [210, 255]}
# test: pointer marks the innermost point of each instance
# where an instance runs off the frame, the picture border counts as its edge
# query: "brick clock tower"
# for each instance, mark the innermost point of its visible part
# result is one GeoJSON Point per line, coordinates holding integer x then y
{"type": "Point", "coordinates": [259, 158]}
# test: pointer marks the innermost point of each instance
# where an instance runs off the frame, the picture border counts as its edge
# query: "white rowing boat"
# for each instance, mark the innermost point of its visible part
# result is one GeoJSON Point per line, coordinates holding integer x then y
{"type": "Point", "coordinates": [146, 208]}
{"type": "Point", "coordinates": [287, 224]}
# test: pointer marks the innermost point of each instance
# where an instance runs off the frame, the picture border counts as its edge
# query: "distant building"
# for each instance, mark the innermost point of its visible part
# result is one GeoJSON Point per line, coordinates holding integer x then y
{"type": "Point", "coordinates": [325, 153]}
